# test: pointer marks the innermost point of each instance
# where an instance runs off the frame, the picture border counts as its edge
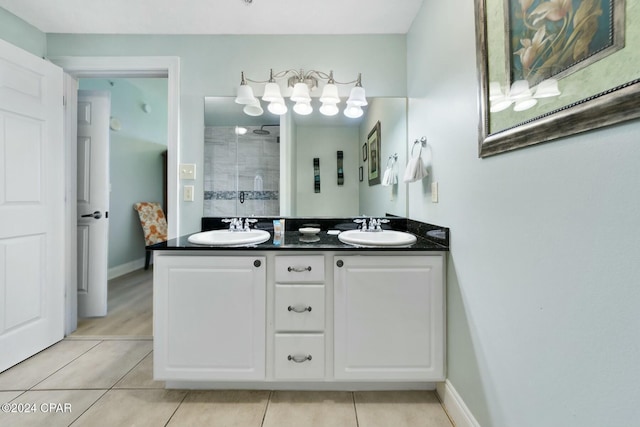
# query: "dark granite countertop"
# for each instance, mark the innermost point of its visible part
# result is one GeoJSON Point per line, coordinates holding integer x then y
{"type": "Point", "coordinates": [430, 237]}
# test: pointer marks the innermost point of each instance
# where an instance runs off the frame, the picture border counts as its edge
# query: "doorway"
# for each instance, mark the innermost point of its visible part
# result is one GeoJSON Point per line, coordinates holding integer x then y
{"type": "Point", "coordinates": [137, 145]}
{"type": "Point", "coordinates": [128, 67]}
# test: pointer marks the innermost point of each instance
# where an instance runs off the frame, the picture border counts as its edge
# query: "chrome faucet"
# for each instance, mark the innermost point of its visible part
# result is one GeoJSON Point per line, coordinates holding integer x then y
{"type": "Point", "coordinates": [236, 224]}
{"type": "Point", "coordinates": [374, 224]}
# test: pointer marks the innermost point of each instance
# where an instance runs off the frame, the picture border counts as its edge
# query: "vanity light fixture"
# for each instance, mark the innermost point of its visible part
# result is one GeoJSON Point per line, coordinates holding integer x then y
{"type": "Point", "coordinates": [520, 95]}
{"type": "Point", "coordinates": [302, 82]}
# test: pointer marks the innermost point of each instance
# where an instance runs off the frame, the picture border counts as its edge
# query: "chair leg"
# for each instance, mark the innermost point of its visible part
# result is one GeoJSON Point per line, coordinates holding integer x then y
{"type": "Point", "coordinates": [147, 258]}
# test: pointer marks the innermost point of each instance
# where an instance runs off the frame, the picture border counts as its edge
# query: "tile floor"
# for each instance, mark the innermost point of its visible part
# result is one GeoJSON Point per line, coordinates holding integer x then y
{"type": "Point", "coordinates": [94, 382]}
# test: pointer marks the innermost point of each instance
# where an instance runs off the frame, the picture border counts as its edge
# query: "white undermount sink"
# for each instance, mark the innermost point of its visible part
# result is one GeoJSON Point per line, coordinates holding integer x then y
{"type": "Point", "coordinates": [230, 238]}
{"type": "Point", "coordinates": [377, 238]}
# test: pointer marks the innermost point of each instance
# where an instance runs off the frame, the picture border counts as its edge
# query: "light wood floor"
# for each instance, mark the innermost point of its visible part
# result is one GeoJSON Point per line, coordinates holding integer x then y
{"type": "Point", "coordinates": [130, 309]}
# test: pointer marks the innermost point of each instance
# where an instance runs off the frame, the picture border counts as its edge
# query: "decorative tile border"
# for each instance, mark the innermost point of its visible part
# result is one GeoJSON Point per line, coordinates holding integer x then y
{"type": "Point", "coordinates": [248, 195]}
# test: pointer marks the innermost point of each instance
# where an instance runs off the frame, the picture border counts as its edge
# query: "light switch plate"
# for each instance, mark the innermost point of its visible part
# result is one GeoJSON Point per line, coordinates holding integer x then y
{"type": "Point", "coordinates": [188, 193]}
{"type": "Point", "coordinates": [187, 171]}
{"type": "Point", "coordinates": [434, 192]}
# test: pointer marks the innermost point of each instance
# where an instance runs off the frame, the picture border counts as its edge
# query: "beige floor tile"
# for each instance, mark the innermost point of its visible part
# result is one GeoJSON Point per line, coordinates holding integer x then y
{"type": "Point", "coordinates": [99, 368]}
{"type": "Point", "coordinates": [400, 409]}
{"type": "Point", "coordinates": [140, 408]}
{"type": "Point", "coordinates": [310, 409]}
{"type": "Point", "coordinates": [141, 376]}
{"type": "Point", "coordinates": [234, 408]}
{"type": "Point", "coordinates": [8, 396]}
{"type": "Point", "coordinates": [51, 408]}
{"type": "Point", "coordinates": [30, 372]}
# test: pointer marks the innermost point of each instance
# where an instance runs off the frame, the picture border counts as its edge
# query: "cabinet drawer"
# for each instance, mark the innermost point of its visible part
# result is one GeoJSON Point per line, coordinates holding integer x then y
{"type": "Point", "coordinates": [300, 269]}
{"type": "Point", "coordinates": [299, 356]}
{"type": "Point", "coordinates": [299, 308]}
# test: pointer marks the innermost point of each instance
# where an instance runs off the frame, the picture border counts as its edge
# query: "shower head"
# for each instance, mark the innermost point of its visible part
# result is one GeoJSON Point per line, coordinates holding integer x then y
{"type": "Point", "coordinates": [262, 130]}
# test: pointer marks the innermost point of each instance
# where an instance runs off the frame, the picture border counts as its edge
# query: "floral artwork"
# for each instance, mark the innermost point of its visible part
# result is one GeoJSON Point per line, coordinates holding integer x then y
{"type": "Point", "coordinates": [548, 37]}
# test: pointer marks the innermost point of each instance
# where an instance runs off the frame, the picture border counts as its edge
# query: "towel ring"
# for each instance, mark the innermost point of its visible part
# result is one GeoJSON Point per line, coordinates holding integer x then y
{"type": "Point", "coordinates": [393, 159]}
{"type": "Point", "coordinates": [423, 143]}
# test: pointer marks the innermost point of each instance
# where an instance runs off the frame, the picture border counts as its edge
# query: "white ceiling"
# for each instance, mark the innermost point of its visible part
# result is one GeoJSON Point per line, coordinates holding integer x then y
{"type": "Point", "coordinates": [217, 16]}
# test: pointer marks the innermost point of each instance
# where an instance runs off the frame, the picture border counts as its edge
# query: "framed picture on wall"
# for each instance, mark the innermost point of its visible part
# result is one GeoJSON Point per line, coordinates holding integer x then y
{"type": "Point", "coordinates": [373, 152]}
{"type": "Point", "coordinates": [364, 152]}
{"type": "Point", "coordinates": [361, 174]}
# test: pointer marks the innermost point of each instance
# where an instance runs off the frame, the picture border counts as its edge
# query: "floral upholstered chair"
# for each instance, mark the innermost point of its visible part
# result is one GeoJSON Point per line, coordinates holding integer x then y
{"type": "Point", "coordinates": [154, 225]}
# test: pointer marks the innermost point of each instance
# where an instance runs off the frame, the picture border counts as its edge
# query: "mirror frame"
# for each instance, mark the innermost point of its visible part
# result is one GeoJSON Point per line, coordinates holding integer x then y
{"type": "Point", "coordinates": [612, 106]}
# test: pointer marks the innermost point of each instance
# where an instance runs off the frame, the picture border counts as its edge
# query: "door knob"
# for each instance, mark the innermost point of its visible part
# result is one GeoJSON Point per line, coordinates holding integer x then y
{"type": "Point", "coordinates": [95, 215]}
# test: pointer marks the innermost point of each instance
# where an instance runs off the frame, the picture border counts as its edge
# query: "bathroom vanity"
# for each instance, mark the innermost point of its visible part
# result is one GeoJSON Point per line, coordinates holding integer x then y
{"type": "Point", "coordinates": [301, 312]}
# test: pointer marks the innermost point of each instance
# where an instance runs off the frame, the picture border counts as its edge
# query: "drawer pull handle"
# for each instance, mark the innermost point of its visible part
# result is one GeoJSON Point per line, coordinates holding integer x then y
{"type": "Point", "coordinates": [299, 309]}
{"type": "Point", "coordinates": [298, 269]}
{"type": "Point", "coordinates": [299, 358]}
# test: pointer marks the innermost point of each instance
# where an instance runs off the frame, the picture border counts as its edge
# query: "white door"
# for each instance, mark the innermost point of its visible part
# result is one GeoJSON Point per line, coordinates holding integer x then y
{"type": "Point", "coordinates": [93, 201]}
{"type": "Point", "coordinates": [31, 205]}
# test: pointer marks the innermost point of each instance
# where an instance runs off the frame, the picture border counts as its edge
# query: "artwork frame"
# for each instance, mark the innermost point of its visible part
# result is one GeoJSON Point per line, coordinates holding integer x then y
{"type": "Point", "coordinates": [612, 97]}
{"type": "Point", "coordinates": [361, 173]}
{"type": "Point", "coordinates": [364, 152]}
{"type": "Point", "coordinates": [373, 152]}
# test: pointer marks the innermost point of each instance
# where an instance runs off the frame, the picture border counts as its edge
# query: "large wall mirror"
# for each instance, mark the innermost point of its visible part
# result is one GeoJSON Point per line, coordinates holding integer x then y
{"type": "Point", "coordinates": [264, 165]}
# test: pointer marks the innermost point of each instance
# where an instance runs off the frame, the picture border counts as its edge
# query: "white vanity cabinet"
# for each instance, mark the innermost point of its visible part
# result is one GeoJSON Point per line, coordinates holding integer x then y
{"type": "Point", "coordinates": [286, 319]}
{"type": "Point", "coordinates": [389, 318]}
{"type": "Point", "coordinates": [209, 317]}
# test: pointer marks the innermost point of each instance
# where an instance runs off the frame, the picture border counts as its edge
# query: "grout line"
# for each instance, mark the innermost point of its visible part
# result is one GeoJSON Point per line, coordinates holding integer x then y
{"type": "Point", "coordinates": [65, 365]}
{"type": "Point", "coordinates": [177, 407]}
{"type": "Point", "coordinates": [444, 408]}
{"type": "Point", "coordinates": [88, 407]}
{"type": "Point", "coordinates": [266, 408]}
{"type": "Point", "coordinates": [355, 408]}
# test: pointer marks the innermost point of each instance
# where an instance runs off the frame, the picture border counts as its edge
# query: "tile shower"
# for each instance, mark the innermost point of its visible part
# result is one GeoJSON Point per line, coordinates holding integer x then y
{"type": "Point", "coordinates": [241, 172]}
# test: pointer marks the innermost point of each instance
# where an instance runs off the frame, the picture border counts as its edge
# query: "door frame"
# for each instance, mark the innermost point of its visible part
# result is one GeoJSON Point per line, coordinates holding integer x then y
{"type": "Point", "coordinates": [125, 66]}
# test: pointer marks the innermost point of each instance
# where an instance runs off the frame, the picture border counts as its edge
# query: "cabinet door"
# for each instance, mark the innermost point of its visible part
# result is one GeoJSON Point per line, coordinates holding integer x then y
{"type": "Point", "coordinates": [209, 318]}
{"type": "Point", "coordinates": [389, 318]}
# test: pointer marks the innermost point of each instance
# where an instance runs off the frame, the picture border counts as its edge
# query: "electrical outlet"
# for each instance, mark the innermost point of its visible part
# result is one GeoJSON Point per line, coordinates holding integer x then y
{"type": "Point", "coordinates": [187, 171]}
{"type": "Point", "coordinates": [434, 192]}
{"type": "Point", "coordinates": [188, 193]}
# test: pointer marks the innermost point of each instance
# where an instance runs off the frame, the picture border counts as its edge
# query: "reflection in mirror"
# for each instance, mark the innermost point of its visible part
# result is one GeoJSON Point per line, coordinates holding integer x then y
{"type": "Point", "coordinates": [264, 165]}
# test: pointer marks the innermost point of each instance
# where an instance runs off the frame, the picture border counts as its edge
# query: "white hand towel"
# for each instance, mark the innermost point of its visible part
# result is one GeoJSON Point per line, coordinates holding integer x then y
{"type": "Point", "coordinates": [415, 169]}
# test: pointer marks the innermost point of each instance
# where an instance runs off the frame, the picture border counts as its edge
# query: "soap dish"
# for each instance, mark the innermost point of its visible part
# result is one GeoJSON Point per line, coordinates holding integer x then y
{"type": "Point", "coordinates": [309, 231]}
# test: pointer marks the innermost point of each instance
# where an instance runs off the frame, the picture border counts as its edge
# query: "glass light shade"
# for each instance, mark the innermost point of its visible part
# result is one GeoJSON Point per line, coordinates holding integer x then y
{"type": "Point", "coordinates": [271, 92]}
{"type": "Point", "coordinates": [353, 111]}
{"type": "Point", "coordinates": [300, 93]}
{"type": "Point", "coordinates": [277, 107]}
{"type": "Point", "coordinates": [547, 88]}
{"type": "Point", "coordinates": [329, 109]}
{"type": "Point", "coordinates": [357, 97]}
{"type": "Point", "coordinates": [303, 108]}
{"type": "Point", "coordinates": [245, 95]}
{"type": "Point", "coordinates": [524, 104]}
{"type": "Point", "coordinates": [253, 109]}
{"type": "Point", "coordinates": [520, 89]}
{"type": "Point", "coordinates": [330, 94]}
{"type": "Point", "coordinates": [500, 104]}
{"type": "Point", "coordinates": [240, 130]}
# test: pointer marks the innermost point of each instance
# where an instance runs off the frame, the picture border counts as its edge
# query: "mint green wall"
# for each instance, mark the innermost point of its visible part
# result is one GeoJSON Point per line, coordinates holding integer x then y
{"type": "Point", "coordinates": [21, 34]}
{"type": "Point", "coordinates": [543, 292]}
{"type": "Point", "coordinates": [135, 164]}
{"type": "Point", "coordinates": [211, 65]}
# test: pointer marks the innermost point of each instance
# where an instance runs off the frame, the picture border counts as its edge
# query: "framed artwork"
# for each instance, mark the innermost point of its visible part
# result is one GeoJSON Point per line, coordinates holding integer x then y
{"type": "Point", "coordinates": [364, 152]}
{"type": "Point", "coordinates": [373, 152]}
{"type": "Point", "coordinates": [361, 174]}
{"type": "Point", "coordinates": [553, 68]}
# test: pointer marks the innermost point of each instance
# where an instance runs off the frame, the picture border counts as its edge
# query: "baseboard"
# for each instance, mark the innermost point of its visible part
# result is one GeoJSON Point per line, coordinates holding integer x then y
{"type": "Point", "coordinates": [455, 406]}
{"type": "Point", "coordinates": [122, 269]}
